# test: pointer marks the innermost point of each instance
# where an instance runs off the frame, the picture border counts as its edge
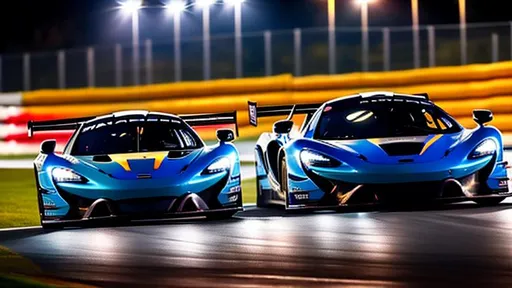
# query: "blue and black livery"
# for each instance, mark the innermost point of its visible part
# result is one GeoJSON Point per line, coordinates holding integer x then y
{"type": "Point", "coordinates": [137, 165]}
{"type": "Point", "coordinates": [377, 147]}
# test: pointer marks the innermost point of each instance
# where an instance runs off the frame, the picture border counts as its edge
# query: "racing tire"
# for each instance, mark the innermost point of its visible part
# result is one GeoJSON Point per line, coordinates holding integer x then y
{"type": "Point", "coordinates": [284, 181]}
{"type": "Point", "coordinates": [491, 201]}
{"type": "Point", "coordinates": [221, 215]}
{"type": "Point", "coordinates": [260, 198]}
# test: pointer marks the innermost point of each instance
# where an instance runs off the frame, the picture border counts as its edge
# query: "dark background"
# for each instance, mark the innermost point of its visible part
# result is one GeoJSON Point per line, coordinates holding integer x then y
{"type": "Point", "coordinates": [35, 25]}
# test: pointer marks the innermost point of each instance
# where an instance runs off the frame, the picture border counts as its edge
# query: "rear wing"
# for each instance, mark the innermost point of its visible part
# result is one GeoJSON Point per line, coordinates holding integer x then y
{"type": "Point", "coordinates": [190, 119]}
{"type": "Point", "coordinates": [256, 112]}
{"type": "Point", "coordinates": [211, 119]}
{"type": "Point", "coordinates": [56, 125]}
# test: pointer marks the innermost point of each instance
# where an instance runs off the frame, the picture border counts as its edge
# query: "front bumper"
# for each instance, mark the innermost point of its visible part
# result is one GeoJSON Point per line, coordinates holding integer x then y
{"type": "Point", "coordinates": [68, 205]}
{"type": "Point", "coordinates": [109, 219]}
{"type": "Point", "coordinates": [337, 193]}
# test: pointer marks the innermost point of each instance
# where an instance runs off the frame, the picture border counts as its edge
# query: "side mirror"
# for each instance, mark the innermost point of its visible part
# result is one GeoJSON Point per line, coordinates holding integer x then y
{"type": "Point", "coordinates": [482, 116]}
{"type": "Point", "coordinates": [225, 135]}
{"type": "Point", "coordinates": [283, 127]}
{"type": "Point", "coordinates": [48, 146]}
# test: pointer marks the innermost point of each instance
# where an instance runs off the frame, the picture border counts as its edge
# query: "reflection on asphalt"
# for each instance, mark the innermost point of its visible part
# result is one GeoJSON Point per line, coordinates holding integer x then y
{"type": "Point", "coordinates": [456, 244]}
{"type": "Point", "coordinates": [460, 244]}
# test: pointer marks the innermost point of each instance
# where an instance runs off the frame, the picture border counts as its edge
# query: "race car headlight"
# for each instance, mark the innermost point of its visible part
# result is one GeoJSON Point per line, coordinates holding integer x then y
{"type": "Point", "coordinates": [220, 165]}
{"type": "Point", "coordinates": [310, 158]}
{"type": "Point", "coordinates": [487, 147]}
{"type": "Point", "coordinates": [66, 175]}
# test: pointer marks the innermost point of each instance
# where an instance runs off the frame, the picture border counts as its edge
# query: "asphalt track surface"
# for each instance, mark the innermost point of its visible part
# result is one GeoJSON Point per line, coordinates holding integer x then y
{"type": "Point", "coordinates": [449, 245]}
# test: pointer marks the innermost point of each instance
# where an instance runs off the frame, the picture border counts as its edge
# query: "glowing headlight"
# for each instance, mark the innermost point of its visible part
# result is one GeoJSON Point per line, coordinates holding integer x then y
{"type": "Point", "coordinates": [310, 158]}
{"type": "Point", "coordinates": [220, 165]}
{"type": "Point", "coordinates": [487, 147]}
{"type": "Point", "coordinates": [66, 175]}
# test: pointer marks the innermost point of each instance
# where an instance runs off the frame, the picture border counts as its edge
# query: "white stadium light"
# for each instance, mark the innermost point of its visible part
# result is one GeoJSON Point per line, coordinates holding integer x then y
{"type": "Point", "coordinates": [234, 2]}
{"type": "Point", "coordinates": [176, 6]}
{"type": "Point", "coordinates": [205, 3]}
{"type": "Point", "coordinates": [361, 2]}
{"type": "Point", "coordinates": [131, 6]}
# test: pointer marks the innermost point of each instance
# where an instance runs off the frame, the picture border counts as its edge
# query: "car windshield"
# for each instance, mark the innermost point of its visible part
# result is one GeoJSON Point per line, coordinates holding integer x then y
{"type": "Point", "coordinates": [134, 135]}
{"type": "Point", "coordinates": [383, 119]}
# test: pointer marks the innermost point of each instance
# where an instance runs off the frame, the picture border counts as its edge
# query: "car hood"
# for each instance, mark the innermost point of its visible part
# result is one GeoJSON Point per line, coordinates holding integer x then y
{"type": "Point", "coordinates": [411, 149]}
{"type": "Point", "coordinates": [150, 165]}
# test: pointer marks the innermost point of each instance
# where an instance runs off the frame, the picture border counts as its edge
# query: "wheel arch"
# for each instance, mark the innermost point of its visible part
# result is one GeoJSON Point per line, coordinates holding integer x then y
{"type": "Point", "coordinates": [281, 154]}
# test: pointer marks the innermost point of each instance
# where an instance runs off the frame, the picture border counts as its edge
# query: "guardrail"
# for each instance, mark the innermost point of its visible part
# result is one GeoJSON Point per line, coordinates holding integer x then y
{"type": "Point", "coordinates": [457, 89]}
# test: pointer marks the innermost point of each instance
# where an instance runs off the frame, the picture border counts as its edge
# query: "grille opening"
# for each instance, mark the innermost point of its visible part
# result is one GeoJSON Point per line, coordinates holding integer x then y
{"type": "Point", "coordinates": [401, 149]}
{"type": "Point", "coordinates": [452, 189]}
{"type": "Point", "coordinates": [190, 206]}
{"type": "Point", "coordinates": [144, 176]}
{"type": "Point", "coordinates": [100, 210]}
{"type": "Point", "coordinates": [362, 196]}
{"type": "Point", "coordinates": [101, 158]}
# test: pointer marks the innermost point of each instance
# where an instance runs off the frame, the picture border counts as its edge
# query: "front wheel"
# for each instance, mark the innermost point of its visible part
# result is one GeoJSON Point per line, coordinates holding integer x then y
{"type": "Point", "coordinates": [284, 181]}
{"type": "Point", "coordinates": [491, 201]}
{"type": "Point", "coordinates": [260, 198]}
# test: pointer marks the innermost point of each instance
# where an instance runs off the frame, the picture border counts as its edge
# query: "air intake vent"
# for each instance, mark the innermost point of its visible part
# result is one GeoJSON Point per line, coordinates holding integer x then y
{"type": "Point", "coordinates": [144, 176]}
{"type": "Point", "coordinates": [401, 149]}
{"type": "Point", "coordinates": [101, 158]}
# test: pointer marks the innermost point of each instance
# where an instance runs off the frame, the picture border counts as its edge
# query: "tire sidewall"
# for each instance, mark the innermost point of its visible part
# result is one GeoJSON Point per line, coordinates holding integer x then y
{"type": "Point", "coordinates": [284, 180]}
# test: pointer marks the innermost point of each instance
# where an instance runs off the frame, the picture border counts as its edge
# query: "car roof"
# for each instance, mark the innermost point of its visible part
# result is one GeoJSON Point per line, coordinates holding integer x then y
{"type": "Point", "coordinates": [128, 113]}
{"type": "Point", "coordinates": [379, 94]}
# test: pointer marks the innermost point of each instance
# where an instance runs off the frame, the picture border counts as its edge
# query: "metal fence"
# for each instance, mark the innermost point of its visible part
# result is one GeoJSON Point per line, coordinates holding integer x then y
{"type": "Point", "coordinates": [299, 52]}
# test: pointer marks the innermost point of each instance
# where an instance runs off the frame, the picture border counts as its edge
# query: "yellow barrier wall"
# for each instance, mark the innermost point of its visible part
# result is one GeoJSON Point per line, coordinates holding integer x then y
{"type": "Point", "coordinates": [458, 90]}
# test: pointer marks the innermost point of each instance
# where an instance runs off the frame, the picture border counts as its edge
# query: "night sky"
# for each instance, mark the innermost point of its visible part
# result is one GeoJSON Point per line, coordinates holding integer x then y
{"type": "Point", "coordinates": [35, 25]}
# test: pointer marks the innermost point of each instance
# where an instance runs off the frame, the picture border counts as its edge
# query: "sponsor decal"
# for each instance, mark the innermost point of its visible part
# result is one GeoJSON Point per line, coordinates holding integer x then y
{"type": "Point", "coordinates": [233, 198]}
{"type": "Point", "coordinates": [235, 189]}
{"type": "Point", "coordinates": [503, 183]}
{"type": "Point", "coordinates": [301, 196]}
{"type": "Point", "coordinates": [253, 117]}
{"type": "Point", "coordinates": [48, 204]}
{"type": "Point", "coordinates": [234, 178]}
{"type": "Point", "coordinates": [50, 213]}
{"type": "Point", "coordinates": [39, 161]}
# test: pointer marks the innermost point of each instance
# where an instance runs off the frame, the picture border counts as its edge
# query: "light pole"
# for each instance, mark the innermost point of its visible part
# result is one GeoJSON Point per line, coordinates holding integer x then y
{"type": "Point", "coordinates": [132, 7]}
{"type": "Point", "coordinates": [364, 31]}
{"type": "Point", "coordinates": [205, 5]}
{"type": "Point", "coordinates": [331, 11]}
{"type": "Point", "coordinates": [238, 35]}
{"type": "Point", "coordinates": [463, 40]}
{"type": "Point", "coordinates": [415, 33]}
{"type": "Point", "coordinates": [176, 7]}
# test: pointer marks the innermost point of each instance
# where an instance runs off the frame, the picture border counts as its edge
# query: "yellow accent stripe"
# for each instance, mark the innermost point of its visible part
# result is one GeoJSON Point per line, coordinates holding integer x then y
{"type": "Point", "coordinates": [122, 159]}
{"type": "Point", "coordinates": [443, 127]}
{"type": "Point", "coordinates": [430, 142]}
{"type": "Point", "coordinates": [375, 141]}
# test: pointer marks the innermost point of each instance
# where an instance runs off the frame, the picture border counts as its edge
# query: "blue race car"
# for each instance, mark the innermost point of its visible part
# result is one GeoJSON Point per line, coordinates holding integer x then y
{"type": "Point", "coordinates": [377, 148]}
{"type": "Point", "coordinates": [137, 165]}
